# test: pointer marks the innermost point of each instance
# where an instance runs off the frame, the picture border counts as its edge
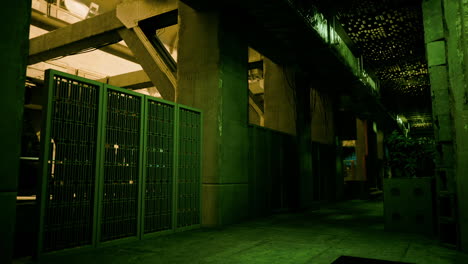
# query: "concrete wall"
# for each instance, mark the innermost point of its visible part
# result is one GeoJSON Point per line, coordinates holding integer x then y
{"type": "Point", "coordinates": [273, 174]}
{"type": "Point", "coordinates": [250, 171]}
{"type": "Point", "coordinates": [286, 106]}
{"type": "Point", "coordinates": [445, 23]}
{"type": "Point", "coordinates": [323, 128]}
{"type": "Point", "coordinates": [457, 51]}
{"type": "Point", "coordinates": [361, 150]}
{"type": "Point", "coordinates": [279, 99]}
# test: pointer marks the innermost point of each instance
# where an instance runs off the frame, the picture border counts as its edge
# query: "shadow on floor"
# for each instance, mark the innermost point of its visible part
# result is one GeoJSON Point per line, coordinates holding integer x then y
{"type": "Point", "coordinates": [352, 228]}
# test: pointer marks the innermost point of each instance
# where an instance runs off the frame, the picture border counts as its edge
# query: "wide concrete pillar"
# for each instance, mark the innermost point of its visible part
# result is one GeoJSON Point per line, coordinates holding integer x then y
{"type": "Point", "coordinates": [279, 110]}
{"type": "Point", "coordinates": [446, 38]}
{"type": "Point", "coordinates": [14, 52]}
{"type": "Point", "coordinates": [212, 76]}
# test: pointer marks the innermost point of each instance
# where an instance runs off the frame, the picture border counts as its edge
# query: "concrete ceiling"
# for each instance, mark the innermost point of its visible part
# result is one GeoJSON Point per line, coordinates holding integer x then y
{"type": "Point", "coordinates": [390, 36]}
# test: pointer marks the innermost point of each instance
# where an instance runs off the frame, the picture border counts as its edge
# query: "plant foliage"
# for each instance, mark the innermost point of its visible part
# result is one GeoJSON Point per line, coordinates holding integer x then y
{"type": "Point", "coordinates": [408, 156]}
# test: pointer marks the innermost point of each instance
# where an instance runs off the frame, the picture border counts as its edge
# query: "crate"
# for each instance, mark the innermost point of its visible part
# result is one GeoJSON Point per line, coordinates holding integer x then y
{"type": "Point", "coordinates": [408, 205]}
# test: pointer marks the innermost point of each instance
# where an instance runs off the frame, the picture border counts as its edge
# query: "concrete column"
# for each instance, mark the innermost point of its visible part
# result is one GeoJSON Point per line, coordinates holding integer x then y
{"type": "Point", "coordinates": [445, 28]}
{"type": "Point", "coordinates": [372, 170]}
{"type": "Point", "coordinates": [308, 191]}
{"type": "Point", "coordinates": [456, 17]}
{"type": "Point", "coordinates": [14, 52]}
{"type": "Point", "coordinates": [361, 149]}
{"type": "Point", "coordinates": [380, 158]}
{"type": "Point", "coordinates": [278, 99]}
{"type": "Point", "coordinates": [212, 76]}
{"type": "Point", "coordinates": [323, 133]}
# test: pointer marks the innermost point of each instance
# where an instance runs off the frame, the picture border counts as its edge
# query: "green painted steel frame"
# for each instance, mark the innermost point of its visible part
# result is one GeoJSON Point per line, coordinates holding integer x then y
{"type": "Point", "coordinates": [99, 170]}
{"type": "Point", "coordinates": [102, 129]}
{"type": "Point", "coordinates": [174, 173]}
{"type": "Point", "coordinates": [45, 149]}
{"type": "Point", "coordinates": [180, 229]}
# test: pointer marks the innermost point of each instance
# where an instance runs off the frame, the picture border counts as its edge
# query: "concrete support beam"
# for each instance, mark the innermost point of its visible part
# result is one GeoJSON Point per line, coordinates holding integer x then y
{"type": "Point", "coordinates": [92, 32]}
{"type": "Point", "coordinates": [279, 99]}
{"type": "Point", "coordinates": [120, 51]}
{"type": "Point", "coordinates": [132, 12]}
{"type": "Point", "coordinates": [212, 76]}
{"type": "Point", "coordinates": [308, 194]}
{"type": "Point", "coordinates": [131, 80]}
{"type": "Point", "coordinates": [14, 46]}
{"type": "Point", "coordinates": [111, 27]}
{"type": "Point", "coordinates": [40, 20]}
{"type": "Point", "coordinates": [151, 61]}
{"type": "Point", "coordinates": [45, 22]}
{"type": "Point", "coordinates": [258, 111]}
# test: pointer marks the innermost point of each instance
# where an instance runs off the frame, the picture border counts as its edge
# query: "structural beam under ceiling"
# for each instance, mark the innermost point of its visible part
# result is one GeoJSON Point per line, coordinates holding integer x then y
{"type": "Point", "coordinates": [151, 61]}
{"type": "Point", "coordinates": [140, 80]}
{"type": "Point", "coordinates": [93, 32]}
{"type": "Point", "coordinates": [131, 80]}
{"type": "Point", "coordinates": [110, 27]}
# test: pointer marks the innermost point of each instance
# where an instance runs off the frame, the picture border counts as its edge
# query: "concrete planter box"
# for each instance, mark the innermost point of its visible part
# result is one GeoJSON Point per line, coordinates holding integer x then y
{"type": "Point", "coordinates": [408, 205]}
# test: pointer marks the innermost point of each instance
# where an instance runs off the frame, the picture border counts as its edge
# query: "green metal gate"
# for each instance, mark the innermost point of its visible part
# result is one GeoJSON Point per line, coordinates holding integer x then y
{"type": "Point", "coordinates": [69, 154]}
{"type": "Point", "coordinates": [111, 159]}
{"type": "Point", "coordinates": [122, 163]}
{"type": "Point", "coordinates": [189, 163]}
{"type": "Point", "coordinates": [159, 178]}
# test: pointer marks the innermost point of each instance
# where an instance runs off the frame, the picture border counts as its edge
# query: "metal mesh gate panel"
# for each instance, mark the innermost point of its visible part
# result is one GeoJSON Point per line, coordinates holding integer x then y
{"type": "Point", "coordinates": [159, 166]}
{"type": "Point", "coordinates": [121, 165]}
{"type": "Point", "coordinates": [69, 163]}
{"type": "Point", "coordinates": [115, 164]}
{"type": "Point", "coordinates": [188, 212]}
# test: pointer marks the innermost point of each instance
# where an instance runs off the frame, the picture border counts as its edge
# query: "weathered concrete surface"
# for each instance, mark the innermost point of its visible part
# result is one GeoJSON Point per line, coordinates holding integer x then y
{"type": "Point", "coordinates": [91, 32]}
{"type": "Point", "coordinates": [131, 80]}
{"type": "Point", "coordinates": [433, 21]}
{"type": "Point", "coordinates": [457, 50]}
{"type": "Point", "coordinates": [40, 20]}
{"type": "Point", "coordinates": [436, 53]}
{"type": "Point", "coordinates": [254, 116]}
{"type": "Point", "coordinates": [14, 47]}
{"type": "Point", "coordinates": [279, 99]}
{"type": "Point", "coordinates": [308, 189]}
{"type": "Point", "coordinates": [361, 150]}
{"type": "Point", "coordinates": [445, 23]}
{"type": "Point", "coordinates": [323, 128]}
{"type": "Point", "coordinates": [151, 61]}
{"type": "Point", "coordinates": [212, 76]}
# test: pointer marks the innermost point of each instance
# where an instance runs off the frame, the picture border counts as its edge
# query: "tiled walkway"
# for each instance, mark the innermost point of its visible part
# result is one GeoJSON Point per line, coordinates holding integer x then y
{"type": "Point", "coordinates": [353, 228]}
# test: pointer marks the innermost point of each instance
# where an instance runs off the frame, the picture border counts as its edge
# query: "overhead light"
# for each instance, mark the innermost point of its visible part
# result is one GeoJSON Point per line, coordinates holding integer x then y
{"type": "Point", "coordinates": [77, 8]}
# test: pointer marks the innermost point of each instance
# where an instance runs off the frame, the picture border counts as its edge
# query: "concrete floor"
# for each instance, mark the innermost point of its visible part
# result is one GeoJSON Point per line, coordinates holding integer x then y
{"type": "Point", "coordinates": [353, 228]}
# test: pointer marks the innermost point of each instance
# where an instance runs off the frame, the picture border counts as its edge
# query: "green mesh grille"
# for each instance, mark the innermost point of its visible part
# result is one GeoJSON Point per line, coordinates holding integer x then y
{"type": "Point", "coordinates": [71, 165]}
{"type": "Point", "coordinates": [98, 138]}
{"type": "Point", "coordinates": [159, 167]}
{"type": "Point", "coordinates": [188, 212]}
{"type": "Point", "coordinates": [121, 174]}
